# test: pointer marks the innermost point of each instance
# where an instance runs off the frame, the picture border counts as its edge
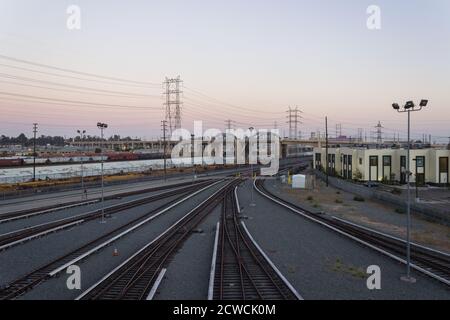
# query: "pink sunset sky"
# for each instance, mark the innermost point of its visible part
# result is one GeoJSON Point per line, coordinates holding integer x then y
{"type": "Point", "coordinates": [247, 61]}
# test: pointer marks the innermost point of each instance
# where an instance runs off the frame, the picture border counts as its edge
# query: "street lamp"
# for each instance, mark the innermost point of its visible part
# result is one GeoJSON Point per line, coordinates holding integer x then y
{"type": "Point", "coordinates": [409, 107]}
{"type": "Point", "coordinates": [83, 191]}
{"type": "Point", "coordinates": [102, 126]}
{"type": "Point", "coordinates": [252, 203]}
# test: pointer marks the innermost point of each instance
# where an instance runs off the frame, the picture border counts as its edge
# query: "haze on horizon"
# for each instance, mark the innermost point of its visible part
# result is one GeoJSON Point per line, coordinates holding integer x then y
{"type": "Point", "coordinates": [245, 61]}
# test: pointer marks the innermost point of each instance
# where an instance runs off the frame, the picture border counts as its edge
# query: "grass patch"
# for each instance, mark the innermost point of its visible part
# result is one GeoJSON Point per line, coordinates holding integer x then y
{"type": "Point", "coordinates": [356, 272]}
{"type": "Point", "coordinates": [316, 205]}
{"type": "Point", "coordinates": [359, 199]}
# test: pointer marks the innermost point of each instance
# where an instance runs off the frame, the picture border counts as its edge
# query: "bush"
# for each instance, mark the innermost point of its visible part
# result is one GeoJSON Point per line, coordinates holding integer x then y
{"type": "Point", "coordinates": [400, 210]}
{"type": "Point", "coordinates": [359, 199]}
{"type": "Point", "coordinates": [338, 201]}
{"type": "Point", "coordinates": [310, 198]}
{"type": "Point", "coordinates": [396, 191]}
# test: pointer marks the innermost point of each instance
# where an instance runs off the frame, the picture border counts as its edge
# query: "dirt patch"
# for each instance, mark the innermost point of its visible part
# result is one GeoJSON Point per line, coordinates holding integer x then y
{"type": "Point", "coordinates": [373, 214]}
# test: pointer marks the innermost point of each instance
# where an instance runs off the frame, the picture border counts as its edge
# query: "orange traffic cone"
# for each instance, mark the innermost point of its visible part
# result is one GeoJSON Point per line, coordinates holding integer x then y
{"type": "Point", "coordinates": [115, 252]}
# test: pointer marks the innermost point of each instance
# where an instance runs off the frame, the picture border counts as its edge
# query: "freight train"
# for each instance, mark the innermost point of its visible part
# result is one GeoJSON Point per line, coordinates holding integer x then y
{"type": "Point", "coordinates": [76, 158]}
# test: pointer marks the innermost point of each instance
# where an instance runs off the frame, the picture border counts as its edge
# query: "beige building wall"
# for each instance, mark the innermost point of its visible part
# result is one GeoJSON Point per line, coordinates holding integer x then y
{"type": "Point", "coordinates": [426, 170]}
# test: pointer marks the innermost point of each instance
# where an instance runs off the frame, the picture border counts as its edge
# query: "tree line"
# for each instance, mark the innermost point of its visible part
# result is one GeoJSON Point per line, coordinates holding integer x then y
{"type": "Point", "coordinates": [42, 140]}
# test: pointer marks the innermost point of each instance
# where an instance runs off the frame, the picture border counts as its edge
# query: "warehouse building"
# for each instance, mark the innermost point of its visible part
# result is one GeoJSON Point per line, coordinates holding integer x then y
{"type": "Point", "coordinates": [428, 166]}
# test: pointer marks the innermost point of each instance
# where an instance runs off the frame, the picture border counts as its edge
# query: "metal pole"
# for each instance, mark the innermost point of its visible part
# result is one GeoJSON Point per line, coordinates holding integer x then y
{"type": "Point", "coordinates": [165, 148]}
{"type": "Point", "coordinates": [34, 151]}
{"type": "Point", "coordinates": [326, 148]}
{"type": "Point", "coordinates": [408, 206]}
{"type": "Point", "coordinates": [103, 199]}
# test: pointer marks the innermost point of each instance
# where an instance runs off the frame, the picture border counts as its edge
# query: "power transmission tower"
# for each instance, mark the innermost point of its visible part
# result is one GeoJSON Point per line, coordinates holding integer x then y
{"type": "Point", "coordinates": [360, 135]}
{"type": "Point", "coordinates": [379, 132]}
{"type": "Point", "coordinates": [164, 131]}
{"type": "Point", "coordinates": [229, 124]}
{"type": "Point", "coordinates": [173, 103]}
{"type": "Point", "coordinates": [293, 121]}
{"type": "Point", "coordinates": [338, 130]}
{"type": "Point", "coordinates": [34, 150]}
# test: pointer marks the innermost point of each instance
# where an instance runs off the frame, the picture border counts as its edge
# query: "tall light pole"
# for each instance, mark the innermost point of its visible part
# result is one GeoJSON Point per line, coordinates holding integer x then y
{"type": "Point", "coordinates": [408, 108]}
{"type": "Point", "coordinates": [252, 203]}
{"type": "Point", "coordinates": [102, 126]}
{"type": "Point", "coordinates": [83, 191]}
{"type": "Point", "coordinates": [34, 150]}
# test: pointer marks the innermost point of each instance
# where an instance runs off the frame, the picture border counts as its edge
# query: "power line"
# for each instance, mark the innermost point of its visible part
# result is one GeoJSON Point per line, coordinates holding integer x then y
{"type": "Point", "coordinates": [41, 65]}
{"type": "Point", "coordinates": [75, 102]}
{"type": "Point", "coordinates": [195, 91]}
{"type": "Point", "coordinates": [5, 75]}
{"type": "Point", "coordinates": [75, 78]}
{"type": "Point", "coordinates": [68, 90]}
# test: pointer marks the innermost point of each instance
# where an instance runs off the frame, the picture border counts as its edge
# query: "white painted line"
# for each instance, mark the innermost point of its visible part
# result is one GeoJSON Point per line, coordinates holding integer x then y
{"type": "Point", "coordinates": [416, 267]}
{"type": "Point", "coordinates": [153, 241]}
{"type": "Point", "coordinates": [156, 284]}
{"type": "Point", "coordinates": [237, 200]}
{"type": "Point", "coordinates": [120, 235]}
{"type": "Point", "coordinates": [213, 264]}
{"type": "Point", "coordinates": [27, 215]}
{"type": "Point", "coordinates": [11, 244]}
{"type": "Point", "coordinates": [391, 236]}
{"type": "Point", "coordinates": [286, 282]}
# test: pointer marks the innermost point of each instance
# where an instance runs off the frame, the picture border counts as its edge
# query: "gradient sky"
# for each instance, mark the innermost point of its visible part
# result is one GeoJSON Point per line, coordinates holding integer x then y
{"type": "Point", "coordinates": [249, 55]}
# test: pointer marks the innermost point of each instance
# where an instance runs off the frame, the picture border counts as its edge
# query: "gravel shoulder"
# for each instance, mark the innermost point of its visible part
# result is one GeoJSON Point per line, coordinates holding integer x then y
{"type": "Point", "coordinates": [373, 214]}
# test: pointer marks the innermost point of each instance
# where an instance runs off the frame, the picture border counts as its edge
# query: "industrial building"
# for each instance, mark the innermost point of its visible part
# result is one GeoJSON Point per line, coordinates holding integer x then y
{"type": "Point", "coordinates": [428, 166]}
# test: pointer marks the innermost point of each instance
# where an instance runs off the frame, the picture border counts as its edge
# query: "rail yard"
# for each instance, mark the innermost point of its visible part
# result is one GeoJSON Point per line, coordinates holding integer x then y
{"type": "Point", "coordinates": [221, 237]}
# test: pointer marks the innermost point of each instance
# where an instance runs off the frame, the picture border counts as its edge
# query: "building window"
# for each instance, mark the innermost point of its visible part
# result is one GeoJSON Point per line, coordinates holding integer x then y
{"type": "Point", "coordinates": [373, 160]}
{"type": "Point", "coordinates": [387, 161]}
{"type": "Point", "coordinates": [360, 161]}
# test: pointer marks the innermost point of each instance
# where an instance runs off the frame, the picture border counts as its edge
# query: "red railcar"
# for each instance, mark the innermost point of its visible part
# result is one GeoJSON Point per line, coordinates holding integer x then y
{"type": "Point", "coordinates": [123, 156]}
{"type": "Point", "coordinates": [11, 162]}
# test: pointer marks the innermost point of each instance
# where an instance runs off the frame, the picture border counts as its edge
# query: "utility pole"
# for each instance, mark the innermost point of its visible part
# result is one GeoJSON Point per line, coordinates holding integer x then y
{"type": "Point", "coordinates": [164, 130]}
{"type": "Point", "coordinates": [326, 148]}
{"type": "Point", "coordinates": [102, 126]}
{"type": "Point", "coordinates": [34, 150]}
{"type": "Point", "coordinates": [252, 203]}
{"type": "Point", "coordinates": [173, 103]}
{"type": "Point", "coordinates": [83, 191]}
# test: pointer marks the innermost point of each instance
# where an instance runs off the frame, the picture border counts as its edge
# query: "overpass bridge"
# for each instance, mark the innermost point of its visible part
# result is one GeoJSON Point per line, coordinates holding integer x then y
{"type": "Point", "coordinates": [287, 146]}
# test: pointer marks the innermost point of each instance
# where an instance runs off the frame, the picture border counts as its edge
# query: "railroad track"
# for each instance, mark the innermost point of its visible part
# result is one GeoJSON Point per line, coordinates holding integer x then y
{"type": "Point", "coordinates": [24, 214]}
{"type": "Point", "coordinates": [10, 239]}
{"type": "Point", "coordinates": [431, 262]}
{"type": "Point", "coordinates": [242, 271]}
{"type": "Point", "coordinates": [51, 269]}
{"type": "Point", "coordinates": [133, 279]}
